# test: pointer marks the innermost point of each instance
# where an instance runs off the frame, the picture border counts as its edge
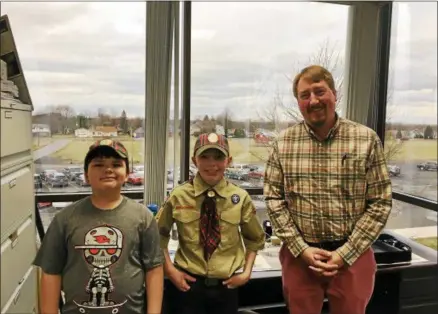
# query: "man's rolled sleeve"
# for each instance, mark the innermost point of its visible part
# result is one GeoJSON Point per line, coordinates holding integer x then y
{"type": "Point", "coordinates": [378, 207]}
{"type": "Point", "coordinates": [252, 232]}
{"type": "Point", "coordinates": [165, 221]}
{"type": "Point", "coordinates": [277, 207]}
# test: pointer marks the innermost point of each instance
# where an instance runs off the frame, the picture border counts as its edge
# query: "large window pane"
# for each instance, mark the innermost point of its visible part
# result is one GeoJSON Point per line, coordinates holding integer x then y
{"type": "Point", "coordinates": [244, 57]}
{"type": "Point", "coordinates": [85, 68]}
{"type": "Point", "coordinates": [414, 222]}
{"type": "Point", "coordinates": [411, 125]}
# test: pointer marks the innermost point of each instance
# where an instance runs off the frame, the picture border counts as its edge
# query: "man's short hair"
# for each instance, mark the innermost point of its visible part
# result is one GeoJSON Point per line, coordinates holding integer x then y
{"type": "Point", "coordinates": [315, 74]}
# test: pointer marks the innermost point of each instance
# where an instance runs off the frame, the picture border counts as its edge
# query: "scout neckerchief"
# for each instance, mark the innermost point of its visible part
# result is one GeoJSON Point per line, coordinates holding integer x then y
{"type": "Point", "coordinates": [209, 232]}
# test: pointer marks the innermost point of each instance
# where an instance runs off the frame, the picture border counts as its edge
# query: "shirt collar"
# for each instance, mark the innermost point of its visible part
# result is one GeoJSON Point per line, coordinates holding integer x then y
{"type": "Point", "coordinates": [330, 134]}
{"type": "Point", "coordinates": [200, 186]}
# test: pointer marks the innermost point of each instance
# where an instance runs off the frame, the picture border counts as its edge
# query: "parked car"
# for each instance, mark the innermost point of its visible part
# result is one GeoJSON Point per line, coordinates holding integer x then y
{"type": "Point", "coordinates": [393, 170]}
{"type": "Point", "coordinates": [192, 172]}
{"type": "Point", "coordinates": [45, 174]}
{"type": "Point", "coordinates": [236, 175]}
{"type": "Point", "coordinates": [57, 179]}
{"type": "Point", "coordinates": [428, 166]}
{"type": "Point", "coordinates": [72, 172]}
{"type": "Point", "coordinates": [80, 180]}
{"type": "Point", "coordinates": [136, 178]}
{"type": "Point", "coordinates": [257, 173]}
{"type": "Point", "coordinates": [74, 177]}
{"type": "Point", "coordinates": [37, 181]}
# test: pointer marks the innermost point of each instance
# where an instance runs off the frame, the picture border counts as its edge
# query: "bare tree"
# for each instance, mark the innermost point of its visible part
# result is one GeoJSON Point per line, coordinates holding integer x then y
{"type": "Point", "coordinates": [328, 56]}
{"type": "Point", "coordinates": [272, 114]}
{"type": "Point", "coordinates": [103, 118]}
{"type": "Point", "coordinates": [393, 146]}
{"type": "Point", "coordinates": [67, 117]}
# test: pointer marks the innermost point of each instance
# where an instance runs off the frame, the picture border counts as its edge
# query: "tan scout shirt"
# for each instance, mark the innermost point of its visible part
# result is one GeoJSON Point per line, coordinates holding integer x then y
{"type": "Point", "coordinates": [235, 209]}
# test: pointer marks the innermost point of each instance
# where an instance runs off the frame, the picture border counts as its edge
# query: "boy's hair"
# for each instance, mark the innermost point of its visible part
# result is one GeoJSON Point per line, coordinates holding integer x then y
{"type": "Point", "coordinates": [207, 141]}
{"type": "Point", "coordinates": [107, 148]}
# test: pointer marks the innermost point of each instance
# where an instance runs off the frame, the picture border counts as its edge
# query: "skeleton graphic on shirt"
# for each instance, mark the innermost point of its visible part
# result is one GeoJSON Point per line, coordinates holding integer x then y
{"type": "Point", "coordinates": [103, 247]}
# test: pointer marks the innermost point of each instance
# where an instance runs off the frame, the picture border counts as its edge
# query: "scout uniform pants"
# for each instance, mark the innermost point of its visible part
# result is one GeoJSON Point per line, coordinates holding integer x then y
{"type": "Point", "coordinates": [205, 296]}
{"type": "Point", "coordinates": [348, 292]}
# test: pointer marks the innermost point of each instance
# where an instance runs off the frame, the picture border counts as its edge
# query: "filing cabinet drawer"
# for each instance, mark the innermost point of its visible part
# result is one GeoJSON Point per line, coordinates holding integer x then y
{"type": "Point", "coordinates": [17, 200]}
{"type": "Point", "coordinates": [24, 297]}
{"type": "Point", "coordinates": [17, 254]}
{"type": "Point", "coordinates": [16, 128]}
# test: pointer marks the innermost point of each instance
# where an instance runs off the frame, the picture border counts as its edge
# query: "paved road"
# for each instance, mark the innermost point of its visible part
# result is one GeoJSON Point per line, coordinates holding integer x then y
{"type": "Point", "coordinates": [50, 148]}
{"type": "Point", "coordinates": [416, 182]}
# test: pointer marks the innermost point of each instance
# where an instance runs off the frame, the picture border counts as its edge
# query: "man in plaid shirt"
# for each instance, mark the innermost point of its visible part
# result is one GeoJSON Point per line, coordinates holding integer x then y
{"type": "Point", "coordinates": [328, 195]}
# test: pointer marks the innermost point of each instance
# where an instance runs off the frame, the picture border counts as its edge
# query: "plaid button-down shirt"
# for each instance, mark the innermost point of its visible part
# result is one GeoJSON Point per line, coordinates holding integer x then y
{"type": "Point", "coordinates": [328, 190]}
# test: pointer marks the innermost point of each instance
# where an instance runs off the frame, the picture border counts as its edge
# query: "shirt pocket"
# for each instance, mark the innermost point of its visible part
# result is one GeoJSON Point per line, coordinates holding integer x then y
{"type": "Point", "coordinates": [229, 225]}
{"type": "Point", "coordinates": [348, 176]}
{"type": "Point", "coordinates": [187, 222]}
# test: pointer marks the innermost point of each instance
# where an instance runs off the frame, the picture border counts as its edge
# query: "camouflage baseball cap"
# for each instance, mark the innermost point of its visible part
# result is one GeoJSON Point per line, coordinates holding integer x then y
{"type": "Point", "coordinates": [116, 145]}
{"type": "Point", "coordinates": [211, 140]}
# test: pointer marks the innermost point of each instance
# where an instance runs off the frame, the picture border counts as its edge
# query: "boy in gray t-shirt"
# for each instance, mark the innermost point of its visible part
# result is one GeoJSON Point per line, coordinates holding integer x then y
{"type": "Point", "coordinates": [103, 250]}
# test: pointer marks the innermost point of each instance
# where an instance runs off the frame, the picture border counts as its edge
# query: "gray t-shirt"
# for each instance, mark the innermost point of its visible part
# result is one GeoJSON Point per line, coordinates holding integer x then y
{"type": "Point", "coordinates": [102, 256]}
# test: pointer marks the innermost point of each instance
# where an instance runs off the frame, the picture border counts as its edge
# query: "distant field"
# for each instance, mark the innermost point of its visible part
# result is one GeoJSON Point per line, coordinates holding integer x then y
{"type": "Point", "coordinates": [76, 150]}
{"type": "Point", "coordinates": [243, 150]}
{"type": "Point", "coordinates": [416, 149]}
{"type": "Point", "coordinates": [430, 242]}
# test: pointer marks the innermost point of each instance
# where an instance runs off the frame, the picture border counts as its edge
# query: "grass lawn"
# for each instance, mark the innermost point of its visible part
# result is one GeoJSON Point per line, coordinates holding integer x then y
{"type": "Point", "coordinates": [430, 242]}
{"type": "Point", "coordinates": [76, 150]}
{"type": "Point", "coordinates": [243, 150]}
{"type": "Point", "coordinates": [416, 149]}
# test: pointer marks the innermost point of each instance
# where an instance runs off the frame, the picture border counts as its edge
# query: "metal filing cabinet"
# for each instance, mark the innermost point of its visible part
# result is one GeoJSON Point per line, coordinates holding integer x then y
{"type": "Point", "coordinates": [18, 231]}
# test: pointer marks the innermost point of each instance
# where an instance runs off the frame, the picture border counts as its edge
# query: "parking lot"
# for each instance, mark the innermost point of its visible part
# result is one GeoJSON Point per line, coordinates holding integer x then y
{"type": "Point", "coordinates": [411, 180]}
{"type": "Point", "coordinates": [73, 187]}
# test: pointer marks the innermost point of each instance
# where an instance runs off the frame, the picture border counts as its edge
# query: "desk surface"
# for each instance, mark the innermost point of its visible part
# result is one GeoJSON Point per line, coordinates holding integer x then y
{"type": "Point", "coordinates": [267, 262]}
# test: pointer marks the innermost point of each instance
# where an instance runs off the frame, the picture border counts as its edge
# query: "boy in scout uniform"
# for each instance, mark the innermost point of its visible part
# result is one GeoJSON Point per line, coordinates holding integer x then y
{"type": "Point", "coordinates": [219, 234]}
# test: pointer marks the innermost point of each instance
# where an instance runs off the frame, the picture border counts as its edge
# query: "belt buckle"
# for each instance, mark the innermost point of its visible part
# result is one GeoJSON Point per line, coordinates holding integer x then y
{"type": "Point", "coordinates": [211, 282]}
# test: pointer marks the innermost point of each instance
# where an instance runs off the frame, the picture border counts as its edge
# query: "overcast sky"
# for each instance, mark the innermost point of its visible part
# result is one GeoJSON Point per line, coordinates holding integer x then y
{"type": "Point", "coordinates": [91, 55]}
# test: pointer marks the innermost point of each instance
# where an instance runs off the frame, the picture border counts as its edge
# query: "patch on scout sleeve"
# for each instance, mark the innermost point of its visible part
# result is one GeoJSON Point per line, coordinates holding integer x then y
{"type": "Point", "coordinates": [235, 198]}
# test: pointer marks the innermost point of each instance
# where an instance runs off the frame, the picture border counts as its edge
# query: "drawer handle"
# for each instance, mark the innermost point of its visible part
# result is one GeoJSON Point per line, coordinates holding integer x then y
{"type": "Point", "coordinates": [12, 183]}
{"type": "Point", "coordinates": [8, 114]}
{"type": "Point", "coordinates": [14, 239]}
{"type": "Point", "coordinates": [17, 296]}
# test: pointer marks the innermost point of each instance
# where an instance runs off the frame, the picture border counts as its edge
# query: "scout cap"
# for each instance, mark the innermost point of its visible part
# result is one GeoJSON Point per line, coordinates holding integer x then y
{"type": "Point", "coordinates": [105, 147]}
{"type": "Point", "coordinates": [207, 141]}
{"type": "Point", "coordinates": [115, 145]}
